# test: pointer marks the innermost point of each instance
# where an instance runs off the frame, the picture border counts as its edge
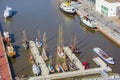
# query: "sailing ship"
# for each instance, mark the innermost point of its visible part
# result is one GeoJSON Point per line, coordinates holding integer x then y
{"type": "Point", "coordinates": [10, 50]}
{"type": "Point", "coordinates": [38, 43]}
{"type": "Point", "coordinates": [24, 41]}
{"type": "Point", "coordinates": [57, 66]}
{"type": "Point", "coordinates": [8, 12]}
{"type": "Point", "coordinates": [73, 47]}
{"type": "Point", "coordinates": [104, 55]}
{"type": "Point", "coordinates": [88, 22]}
{"type": "Point", "coordinates": [50, 67]}
{"type": "Point", "coordinates": [60, 51]}
{"type": "Point", "coordinates": [66, 7]}
{"type": "Point", "coordinates": [36, 70]}
{"type": "Point", "coordinates": [44, 55]}
{"type": "Point", "coordinates": [64, 65]}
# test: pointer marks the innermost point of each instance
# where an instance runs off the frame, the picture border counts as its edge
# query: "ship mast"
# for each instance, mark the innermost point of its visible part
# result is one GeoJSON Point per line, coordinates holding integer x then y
{"type": "Point", "coordinates": [39, 35]}
{"type": "Point", "coordinates": [60, 38]}
{"type": "Point", "coordinates": [24, 37]}
{"type": "Point", "coordinates": [74, 41]}
{"type": "Point", "coordinates": [24, 41]}
{"type": "Point", "coordinates": [44, 47]}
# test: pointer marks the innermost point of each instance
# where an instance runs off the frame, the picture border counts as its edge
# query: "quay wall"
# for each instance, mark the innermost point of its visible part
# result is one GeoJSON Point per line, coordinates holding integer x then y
{"type": "Point", "coordinates": [108, 35]}
{"type": "Point", "coordinates": [106, 31]}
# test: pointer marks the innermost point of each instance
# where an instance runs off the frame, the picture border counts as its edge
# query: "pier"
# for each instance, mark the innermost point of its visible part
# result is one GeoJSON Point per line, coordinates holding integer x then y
{"type": "Point", "coordinates": [73, 58]}
{"type": "Point", "coordinates": [38, 59]}
{"type": "Point", "coordinates": [5, 72]}
{"type": "Point", "coordinates": [102, 66]}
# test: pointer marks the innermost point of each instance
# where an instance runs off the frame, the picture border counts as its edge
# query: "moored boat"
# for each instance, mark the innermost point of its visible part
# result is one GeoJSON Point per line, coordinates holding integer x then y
{"type": "Point", "coordinates": [6, 37]}
{"type": "Point", "coordinates": [57, 67]}
{"type": "Point", "coordinates": [8, 12]}
{"type": "Point", "coordinates": [66, 7]}
{"type": "Point", "coordinates": [104, 55]}
{"type": "Point", "coordinates": [51, 68]}
{"type": "Point", "coordinates": [73, 46]}
{"type": "Point", "coordinates": [36, 70]}
{"type": "Point", "coordinates": [10, 51]}
{"type": "Point", "coordinates": [38, 43]}
{"type": "Point", "coordinates": [87, 22]}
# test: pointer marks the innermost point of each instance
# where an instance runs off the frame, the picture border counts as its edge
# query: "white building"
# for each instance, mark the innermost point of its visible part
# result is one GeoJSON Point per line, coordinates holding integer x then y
{"type": "Point", "coordinates": [108, 8]}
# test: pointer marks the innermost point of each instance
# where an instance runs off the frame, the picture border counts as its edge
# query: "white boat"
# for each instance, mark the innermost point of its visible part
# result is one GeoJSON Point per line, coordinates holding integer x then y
{"type": "Point", "coordinates": [6, 36]}
{"type": "Point", "coordinates": [36, 70]}
{"type": "Point", "coordinates": [67, 8]}
{"type": "Point", "coordinates": [104, 55]}
{"type": "Point", "coordinates": [8, 12]}
{"type": "Point", "coordinates": [87, 22]}
{"type": "Point", "coordinates": [38, 43]}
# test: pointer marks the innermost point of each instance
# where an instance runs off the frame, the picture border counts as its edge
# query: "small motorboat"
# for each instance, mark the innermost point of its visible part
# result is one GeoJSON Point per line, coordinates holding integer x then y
{"type": "Point", "coordinates": [85, 64]}
{"type": "Point", "coordinates": [36, 70]}
{"type": "Point", "coordinates": [104, 55]}
{"type": "Point", "coordinates": [72, 66]}
{"type": "Point", "coordinates": [38, 43]}
{"type": "Point", "coordinates": [8, 12]}
{"type": "Point", "coordinates": [51, 68]}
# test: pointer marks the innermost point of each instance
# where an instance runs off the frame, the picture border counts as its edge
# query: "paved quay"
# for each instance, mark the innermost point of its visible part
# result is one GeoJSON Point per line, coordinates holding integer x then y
{"type": "Point", "coordinates": [5, 72]}
{"type": "Point", "coordinates": [108, 26]}
{"type": "Point", "coordinates": [102, 66]}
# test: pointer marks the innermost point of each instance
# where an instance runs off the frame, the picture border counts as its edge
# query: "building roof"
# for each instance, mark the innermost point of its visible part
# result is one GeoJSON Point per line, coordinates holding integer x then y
{"type": "Point", "coordinates": [113, 1]}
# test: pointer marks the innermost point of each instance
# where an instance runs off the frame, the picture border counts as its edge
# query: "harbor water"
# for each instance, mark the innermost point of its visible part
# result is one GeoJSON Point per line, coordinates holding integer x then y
{"type": "Point", "coordinates": [31, 15]}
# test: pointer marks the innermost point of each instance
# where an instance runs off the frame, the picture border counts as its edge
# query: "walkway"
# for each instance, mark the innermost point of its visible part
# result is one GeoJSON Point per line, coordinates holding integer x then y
{"type": "Point", "coordinates": [38, 59]}
{"type": "Point", "coordinates": [5, 73]}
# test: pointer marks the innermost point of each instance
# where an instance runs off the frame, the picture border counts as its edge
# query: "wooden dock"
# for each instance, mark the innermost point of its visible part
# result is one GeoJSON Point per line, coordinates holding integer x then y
{"type": "Point", "coordinates": [38, 59]}
{"type": "Point", "coordinates": [5, 72]}
{"type": "Point", "coordinates": [73, 58]}
{"type": "Point", "coordinates": [102, 67]}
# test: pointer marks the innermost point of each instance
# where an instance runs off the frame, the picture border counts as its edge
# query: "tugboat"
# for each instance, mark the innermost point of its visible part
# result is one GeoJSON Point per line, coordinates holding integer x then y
{"type": "Point", "coordinates": [10, 50]}
{"type": "Point", "coordinates": [73, 47]}
{"type": "Point", "coordinates": [8, 12]}
{"type": "Point", "coordinates": [104, 55]}
{"type": "Point", "coordinates": [87, 22]}
{"type": "Point", "coordinates": [60, 51]}
{"type": "Point", "coordinates": [66, 7]}
{"type": "Point", "coordinates": [36, 70]}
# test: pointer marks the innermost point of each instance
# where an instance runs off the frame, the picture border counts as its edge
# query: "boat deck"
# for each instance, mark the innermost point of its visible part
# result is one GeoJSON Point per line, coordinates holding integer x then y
{"type": "Point", "coordinates": [5, 73]}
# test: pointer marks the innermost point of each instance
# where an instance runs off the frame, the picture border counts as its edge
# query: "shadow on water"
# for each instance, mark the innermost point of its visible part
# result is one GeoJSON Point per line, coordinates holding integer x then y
{"type": "Point", "coordinates": [14, 13]}
{"type": "Point", "coordinates": [17, 50]}
{"type": "Point", "coordinates": [12, 70]}
{"type": "Point", "coordinates": [1, 29]}
{"type": "Point", "coordinates": [12, 38]}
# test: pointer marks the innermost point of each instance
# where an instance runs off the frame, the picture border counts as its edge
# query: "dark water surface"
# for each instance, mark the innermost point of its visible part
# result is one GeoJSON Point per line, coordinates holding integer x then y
{"type": "Point", "coordinates": [46, 16]}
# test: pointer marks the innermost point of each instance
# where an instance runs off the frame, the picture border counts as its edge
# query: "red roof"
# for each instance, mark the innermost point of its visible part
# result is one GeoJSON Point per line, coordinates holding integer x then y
{"type": "Point", "coordinates": [5, 73]}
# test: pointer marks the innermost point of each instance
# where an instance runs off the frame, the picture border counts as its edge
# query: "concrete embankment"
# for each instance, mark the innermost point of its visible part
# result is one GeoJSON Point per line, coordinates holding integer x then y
{"type": "Point", "coordinates": [112, 34]}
